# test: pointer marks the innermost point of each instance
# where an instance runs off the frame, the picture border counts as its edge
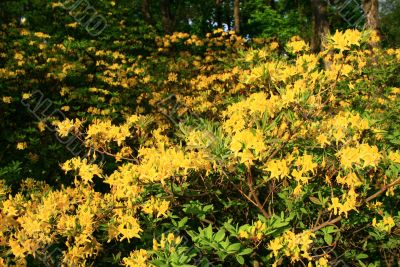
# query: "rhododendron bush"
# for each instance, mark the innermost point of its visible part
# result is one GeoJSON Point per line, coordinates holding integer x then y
{"type": "Point", "coordinates": [213, 151]}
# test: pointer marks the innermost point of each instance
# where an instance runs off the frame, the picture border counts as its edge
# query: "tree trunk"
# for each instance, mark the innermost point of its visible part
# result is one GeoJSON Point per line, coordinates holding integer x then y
{"type": "Point", "coordinates": [146, 12]}
{"type": "Point", "coordinates": [166, 18]}
{"type": "Point", "coordinates": [371, 11]}
{"type": "Point", "coordinates": [271, 3]}
{"type": "Point", "coordinates": [320, 24]}
{"type": "Point", "coordinates": [218, 13]}
{"type": "Point", "coordinates": [236, 15]}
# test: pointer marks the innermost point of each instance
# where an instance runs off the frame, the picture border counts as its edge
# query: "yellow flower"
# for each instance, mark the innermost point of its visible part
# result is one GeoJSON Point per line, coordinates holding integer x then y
{"type": "Point", "coordinates": [41, 35]}
{"type": "Point", "coordinates": [85, 171]}
{"type": "Point", "coordinates": [26, 96]}
{"type": "Point", "coordinates": [128, 227]}
{"type": "Point", "coordinates": [274, 45]}
{"type": "Point", "coordinates": [172, 77]}
{"type": "Point", "coordinates": [353, 36]}
{"type": "Point", "coordinates": [41, 126]}
{"type": "Point", "coordinates": [64, 127]}
{"type": "Point", "coordinates": [349, 204]}
{"type": "Point", "coordinates": [155, 244]}
{"type": "Point", "coordinates": [292, 245]}
{"type": "Point", "coordinates": [306, 162]}
{"type": "Point", "coordinates": [394, 156]}
{"type": "Point", "coordinates": [170, 238]}
{"type": "Point", "coordinates": [56, 4]}
{"type": "Point", "coordinates": [362, 153]}
{"type": "Point", "coordinates": [137, 258]}
{"type": "Point", "coordinates": [22, 145]}
{"type": "Point", "coordinates": [65, 108]}
{"type": "Point", "coordinates": [17, 249]}
{"type": "Point", "coordinates": [249, 140]}
{"type": "Point", "coordinates": [350, 179]}
{"type": "Point", "coordinates": [275, 245]}
{"type": "Point", "coordinates": [296, 45]}
{"type": "Point", "coordinates": [278, 168]}
{"type": "Point", "coordinates": [336, 205]}
{"type": "Point", "coordinates": [7, 99]}
{"type": "Point", "coordinates": [322, 262]}
{"type": "Point", "coordinates": [339, 41]}
{"type": "Point", "coordinates": [374, 37]}
{"type": "Point", "coordinates": [132, 119]}
{"type": "Point", "coordinates": [244, 234]}
{"type": "Point", "coordinates": [160, 207]}
{"type": "Point", "coordinates": [384, 225]}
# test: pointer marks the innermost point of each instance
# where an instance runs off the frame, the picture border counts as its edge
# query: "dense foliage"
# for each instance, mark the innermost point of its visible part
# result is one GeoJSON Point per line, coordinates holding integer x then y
{"type": "Point", "coordinates": [136, 148]}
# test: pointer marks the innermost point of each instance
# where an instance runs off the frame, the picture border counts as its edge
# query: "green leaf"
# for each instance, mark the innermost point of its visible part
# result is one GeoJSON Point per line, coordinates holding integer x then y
{"type": "Point", "coordinates": [182, 222]}
{"type": "Point", "coordinates": [219, 236]}
{"type": "Point", "coordinates": [245, 251]}
{"type": "Point", "coordinates": [208, 232]}
{"type": "Point", "coordinates": [240, 259]}
{"type": "Point", "coordinates": [328, 239]}
{"type": "Point", "coordinates": [361, 256]}
{"type": "Point", "coordinates": [233, 248]}
{"type": "Point", "coordinates": [315, 200]}
{"type": "Point", "coordinates": [225, 244]}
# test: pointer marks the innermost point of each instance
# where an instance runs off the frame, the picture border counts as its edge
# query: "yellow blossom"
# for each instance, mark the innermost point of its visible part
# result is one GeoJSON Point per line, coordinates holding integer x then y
{"type": "Point", "coordinates": [7, 99]}
{"type": "Point", "coordinates": [394, 156]}
{"type": "Point", "coordinates": [22, 145]}
{"type": "Point", "coordinates": [278, 168]}
{"type": "Point", "coordinates": [138, 258]}
{"type": "Point", "coordinates": [384, 225]}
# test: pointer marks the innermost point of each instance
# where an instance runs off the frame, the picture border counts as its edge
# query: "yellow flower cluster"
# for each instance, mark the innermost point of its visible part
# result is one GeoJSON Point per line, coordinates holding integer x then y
{"type": "Point", "coordinates": [161, 163]}
{"type": "Point", "coordinates": [304, 165]}
{"type": "Point", "coordinates": [22, 145]}
{"type": "Point", "coordinates": [156, 206]}
{"type": "Point", "coordinates": [278, 168]}
{"type": "Point", "coordinates": [394, 156]}
{"type": "Point", "coordinates": [384, 225]}
{"type": "Point", "coordinates": [31, 223]}
{"type": "Point", "coordinates": [64, 128]}
{"type": "Point", "coordinates": [217, 38]}
{"type": "Point", "coordinates": [7, 99]}
{"type": "Point", "coordinates": [362, 155]}
{"type": "Point", "coordinates": [125, 225]}
{"type": "Point", "coordinates": [349, 203]}
{"type": "Point", "coordinates": [124, 183]}
{"type": "Point", "coordinates": [265, 109]}
{"type": "Point", "coordinates": [255, 232]}
{"type": "Point", "coordinates": [343, 127]}
{"type": "Point", "coordinates": [351, 180]}
{"type": "Point", "coordinates": [137, 258]}
{"type": "Point", "coordinates": [84, 170]}
{"type": "Point", "coordinates": [167, 243]}
{"type": "Point", "coordinates": [102, 132]}
{"type": "Point", "coordinates": [296, 45]}
{"type": "Point", "coordinates": [295, 246]}
{"type": "Point", "coordinates": [244, 114]}
{"type": "Point", "coordinates": [344, 40]}
{"type": "Point", "coordinates": [248, 145]}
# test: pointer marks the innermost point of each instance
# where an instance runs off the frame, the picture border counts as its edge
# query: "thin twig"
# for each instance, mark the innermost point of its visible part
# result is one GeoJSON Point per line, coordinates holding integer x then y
{"type": "Point", "coordinates": [370, 198]}
{"type": "Point", "coordinates": [254, 194]}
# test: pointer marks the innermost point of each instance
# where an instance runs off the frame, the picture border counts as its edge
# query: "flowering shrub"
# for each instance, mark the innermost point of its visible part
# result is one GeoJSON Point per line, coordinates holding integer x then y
{"type": "Point", "coordinates": [207, 151]}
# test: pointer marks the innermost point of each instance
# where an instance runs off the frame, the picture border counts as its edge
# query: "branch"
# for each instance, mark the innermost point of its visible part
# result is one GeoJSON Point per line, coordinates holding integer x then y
{"type": "Point", "coordinates": [259, 205]}
{"type": "Point", "coordinates": [322, 225]}
{"type": "Point", "coordinates": [382, 190]}
{"type": "Point", "coordinates": [103, 151]}
{"type": "Point", "coordinates": [368, 199]}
